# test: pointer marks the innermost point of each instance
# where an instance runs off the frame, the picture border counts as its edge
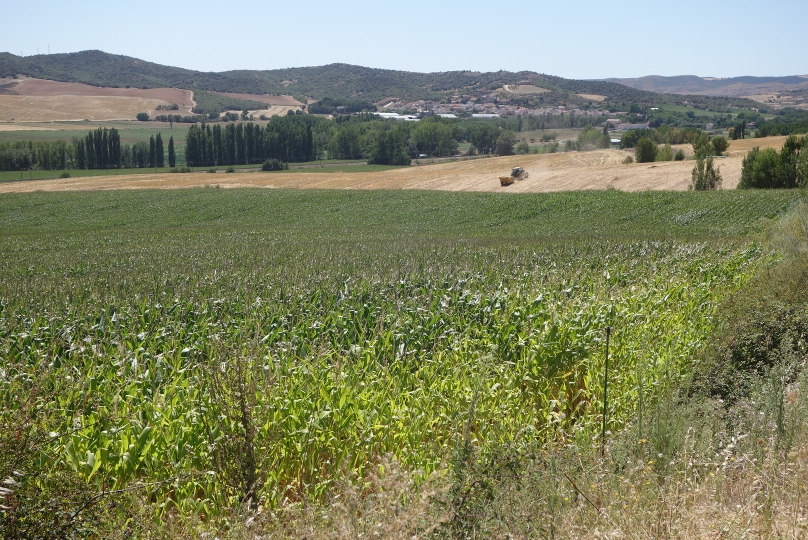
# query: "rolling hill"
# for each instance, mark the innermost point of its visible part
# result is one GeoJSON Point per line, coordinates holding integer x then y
{"type": "Point", "coordinates": [339, 81]}
{"type": "Point", "coordinates": [776, 91]}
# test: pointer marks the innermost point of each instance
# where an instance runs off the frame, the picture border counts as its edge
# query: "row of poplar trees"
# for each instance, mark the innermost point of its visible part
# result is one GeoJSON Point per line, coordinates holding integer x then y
{"type": "Point", "coordinates": [285, 138]}
{"type": "Point", "coordinates": [101, 149]}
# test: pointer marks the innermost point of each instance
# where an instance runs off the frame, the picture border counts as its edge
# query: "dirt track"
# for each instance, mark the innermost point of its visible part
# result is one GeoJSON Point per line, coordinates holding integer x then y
{"type": "Point", "coordinates": [602, 169]}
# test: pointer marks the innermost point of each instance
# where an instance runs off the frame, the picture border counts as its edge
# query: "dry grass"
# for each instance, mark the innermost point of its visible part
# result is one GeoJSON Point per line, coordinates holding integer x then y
{"type": "Point", "coordinates": [25, 86]}
{"type": "Point", "coordinates": [524, 89]}
{"type": "Point", "coordinates": [600, 169]}
{"type": "Point", "coordinates": [60, 108]}
{"type": "Point", "coordinates": [274, 110]}
{"type": "Point", "coordinates": [592, 97]}
{"type": "Point", "coordinates": [18, 127]}
{"type": "Point", "coordinates": [269, 99]}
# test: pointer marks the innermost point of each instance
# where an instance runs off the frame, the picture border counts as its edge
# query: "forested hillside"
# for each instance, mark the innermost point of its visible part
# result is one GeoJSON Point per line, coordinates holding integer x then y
{"type": "Point", "coordinates": [339, 81]}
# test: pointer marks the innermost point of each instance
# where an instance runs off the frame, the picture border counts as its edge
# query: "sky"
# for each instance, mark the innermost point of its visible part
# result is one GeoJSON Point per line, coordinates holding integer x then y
{"type": "Point", "coordinates": [584, 39]}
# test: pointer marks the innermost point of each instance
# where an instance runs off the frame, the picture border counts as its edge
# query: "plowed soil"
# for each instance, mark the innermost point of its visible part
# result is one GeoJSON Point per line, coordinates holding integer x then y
{"type": "Point", "coordinates": [602, 169]}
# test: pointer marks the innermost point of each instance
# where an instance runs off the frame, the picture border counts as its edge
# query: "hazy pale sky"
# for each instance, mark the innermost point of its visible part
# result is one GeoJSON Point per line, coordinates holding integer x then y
{"type": "Point", "coordinates": [585, 39]}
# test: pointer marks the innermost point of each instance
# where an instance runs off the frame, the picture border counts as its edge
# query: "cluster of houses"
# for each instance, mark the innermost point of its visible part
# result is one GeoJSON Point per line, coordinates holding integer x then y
{"type": "Point", "coordinates": [470, 109]}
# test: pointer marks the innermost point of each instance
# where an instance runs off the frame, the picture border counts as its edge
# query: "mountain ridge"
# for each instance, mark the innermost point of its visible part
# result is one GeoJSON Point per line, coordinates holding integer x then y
{"type": "Point", "coordinates": [339, 80]}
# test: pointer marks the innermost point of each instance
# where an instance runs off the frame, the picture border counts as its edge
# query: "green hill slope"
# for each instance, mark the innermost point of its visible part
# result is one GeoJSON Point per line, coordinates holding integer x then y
{"type": "Point", "coordinates": [340, 81]}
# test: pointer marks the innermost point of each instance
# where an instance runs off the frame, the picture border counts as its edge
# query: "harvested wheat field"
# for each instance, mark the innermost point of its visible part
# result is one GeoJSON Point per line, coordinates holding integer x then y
{"type": "Point", "coordinates": [269, 99]}
{"type": "Point", "coordinates": [37, 100]}
{"type": "Point", "coordinates": [18, 127]}
{"type": "Point", "coordinates": [601, 169]}
{"type": "Point", "coordinates": [274, 110]}
{"type": "Point", "coordinates": [56, 108]}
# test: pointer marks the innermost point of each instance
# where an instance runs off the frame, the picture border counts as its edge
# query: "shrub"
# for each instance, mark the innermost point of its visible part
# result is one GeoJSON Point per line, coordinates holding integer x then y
{"type": "Point", "coordinates": [212, 170]}
{"type": "Point", "coordinates": [679, 155]}
{"type": "Point", "coordinates": [274, 165]}
{"type": "Point", "coordinates": [628, 161]}
{"type": "Point", "coordinates": [64, 174]}
{"type": "Point", "coordinates": [701, 145]}
{"type": "Point", "coordinates": [230, 170]}
{"type": "Point", "coordinates": [646, 150]}
{"type": "Point", "coordinates": [704, 176]}
{"type": "Point", "coordinates": [143, 117]}
{"type": "Point", "coordinates": [720, 145]}
{"type": "Point", "coordinates": [665, 154]}
{"type": "Point", "coordinates": [181, 170]}
{"type": "Point", "coordinates": [760, 169]}
{"type": "Point", "coordinates": [522, 148]}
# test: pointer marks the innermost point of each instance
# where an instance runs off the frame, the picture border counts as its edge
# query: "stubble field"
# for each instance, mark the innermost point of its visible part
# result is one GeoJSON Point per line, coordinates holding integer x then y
{"type": "Point", "coordinates": [571, 171]}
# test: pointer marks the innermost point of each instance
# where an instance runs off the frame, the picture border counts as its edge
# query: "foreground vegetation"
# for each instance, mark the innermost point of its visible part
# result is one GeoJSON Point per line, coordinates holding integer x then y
{"type": "Point", "coordinates": [199, 358]}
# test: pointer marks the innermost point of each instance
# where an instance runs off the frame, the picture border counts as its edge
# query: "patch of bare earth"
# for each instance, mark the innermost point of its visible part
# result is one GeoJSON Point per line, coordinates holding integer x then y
{"type": "Point", "coordinates": [53, 101]}
{"type": "Point", "coordinates": [55, 108]}
{"type": "Point", "coordinates": [601, 169]}
{"type": "Point", "coordinates": [269, 99]}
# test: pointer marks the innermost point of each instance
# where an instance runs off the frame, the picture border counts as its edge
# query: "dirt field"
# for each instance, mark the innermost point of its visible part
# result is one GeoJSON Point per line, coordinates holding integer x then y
{"type": "Point", "coordinates": [52, 101]}
{"type": "Point", "coordinates": [17, 127]}
{"type": "Point", "coordinates": [592, 97]}
{"type": "Point", "coordinates": [269, 99]}
{"type": "Point", "coordinates": [524, 89]}
{"type": "Point", "coordinates": [602, 169]}
{"type": "Point", "coordinates": [51, 108]}
{"type": "Point", "coordinates": [279, 110]}
{"type": "Point", "coordinates": [39, 87]}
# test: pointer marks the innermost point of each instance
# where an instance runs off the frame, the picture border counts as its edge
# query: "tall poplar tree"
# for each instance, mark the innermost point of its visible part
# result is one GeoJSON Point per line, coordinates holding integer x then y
{"type": "Point", "coordinates": [172, 158]}
{"type": "Point", "coordinates": [159, 152]}
{"type": "Point", "coordinates": [151, 151]}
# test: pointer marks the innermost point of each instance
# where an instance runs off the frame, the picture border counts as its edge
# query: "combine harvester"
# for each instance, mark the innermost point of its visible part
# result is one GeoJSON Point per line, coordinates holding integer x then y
{"type": "Point", "coordinates": [518, 173]}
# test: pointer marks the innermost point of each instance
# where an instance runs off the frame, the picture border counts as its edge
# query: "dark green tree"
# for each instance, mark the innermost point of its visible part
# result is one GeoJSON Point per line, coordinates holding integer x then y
{"type": "Point", "coordinates": [760, 169]}
{"type": "Point", "coordinates": [704, 176]}
{"type": "Point", "coordinates": [646, 150]}
{"type": "Point", "coordinates": [81, 157]}
{"type": "Point", "coordinates": [505, 143]}
{"type": "Point", "coordinates": [172, 158]}
{"type": "Point", "coordinates": [159, 152]}
{"type": "Point", "coordinates": [720, 145]}
{"type": "Point", "coordinates": [152, 151]}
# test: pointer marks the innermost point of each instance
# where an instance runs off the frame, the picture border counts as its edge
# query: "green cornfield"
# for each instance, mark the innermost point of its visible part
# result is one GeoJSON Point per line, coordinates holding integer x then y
{"type": "Point", "coordinates": [216, 346]}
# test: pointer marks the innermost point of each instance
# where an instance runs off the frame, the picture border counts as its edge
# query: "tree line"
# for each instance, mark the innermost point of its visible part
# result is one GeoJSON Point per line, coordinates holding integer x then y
{"type": "Point", "coordinates": [285, 138]}
{"type": "Point", "coordinates": [99, 149]}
